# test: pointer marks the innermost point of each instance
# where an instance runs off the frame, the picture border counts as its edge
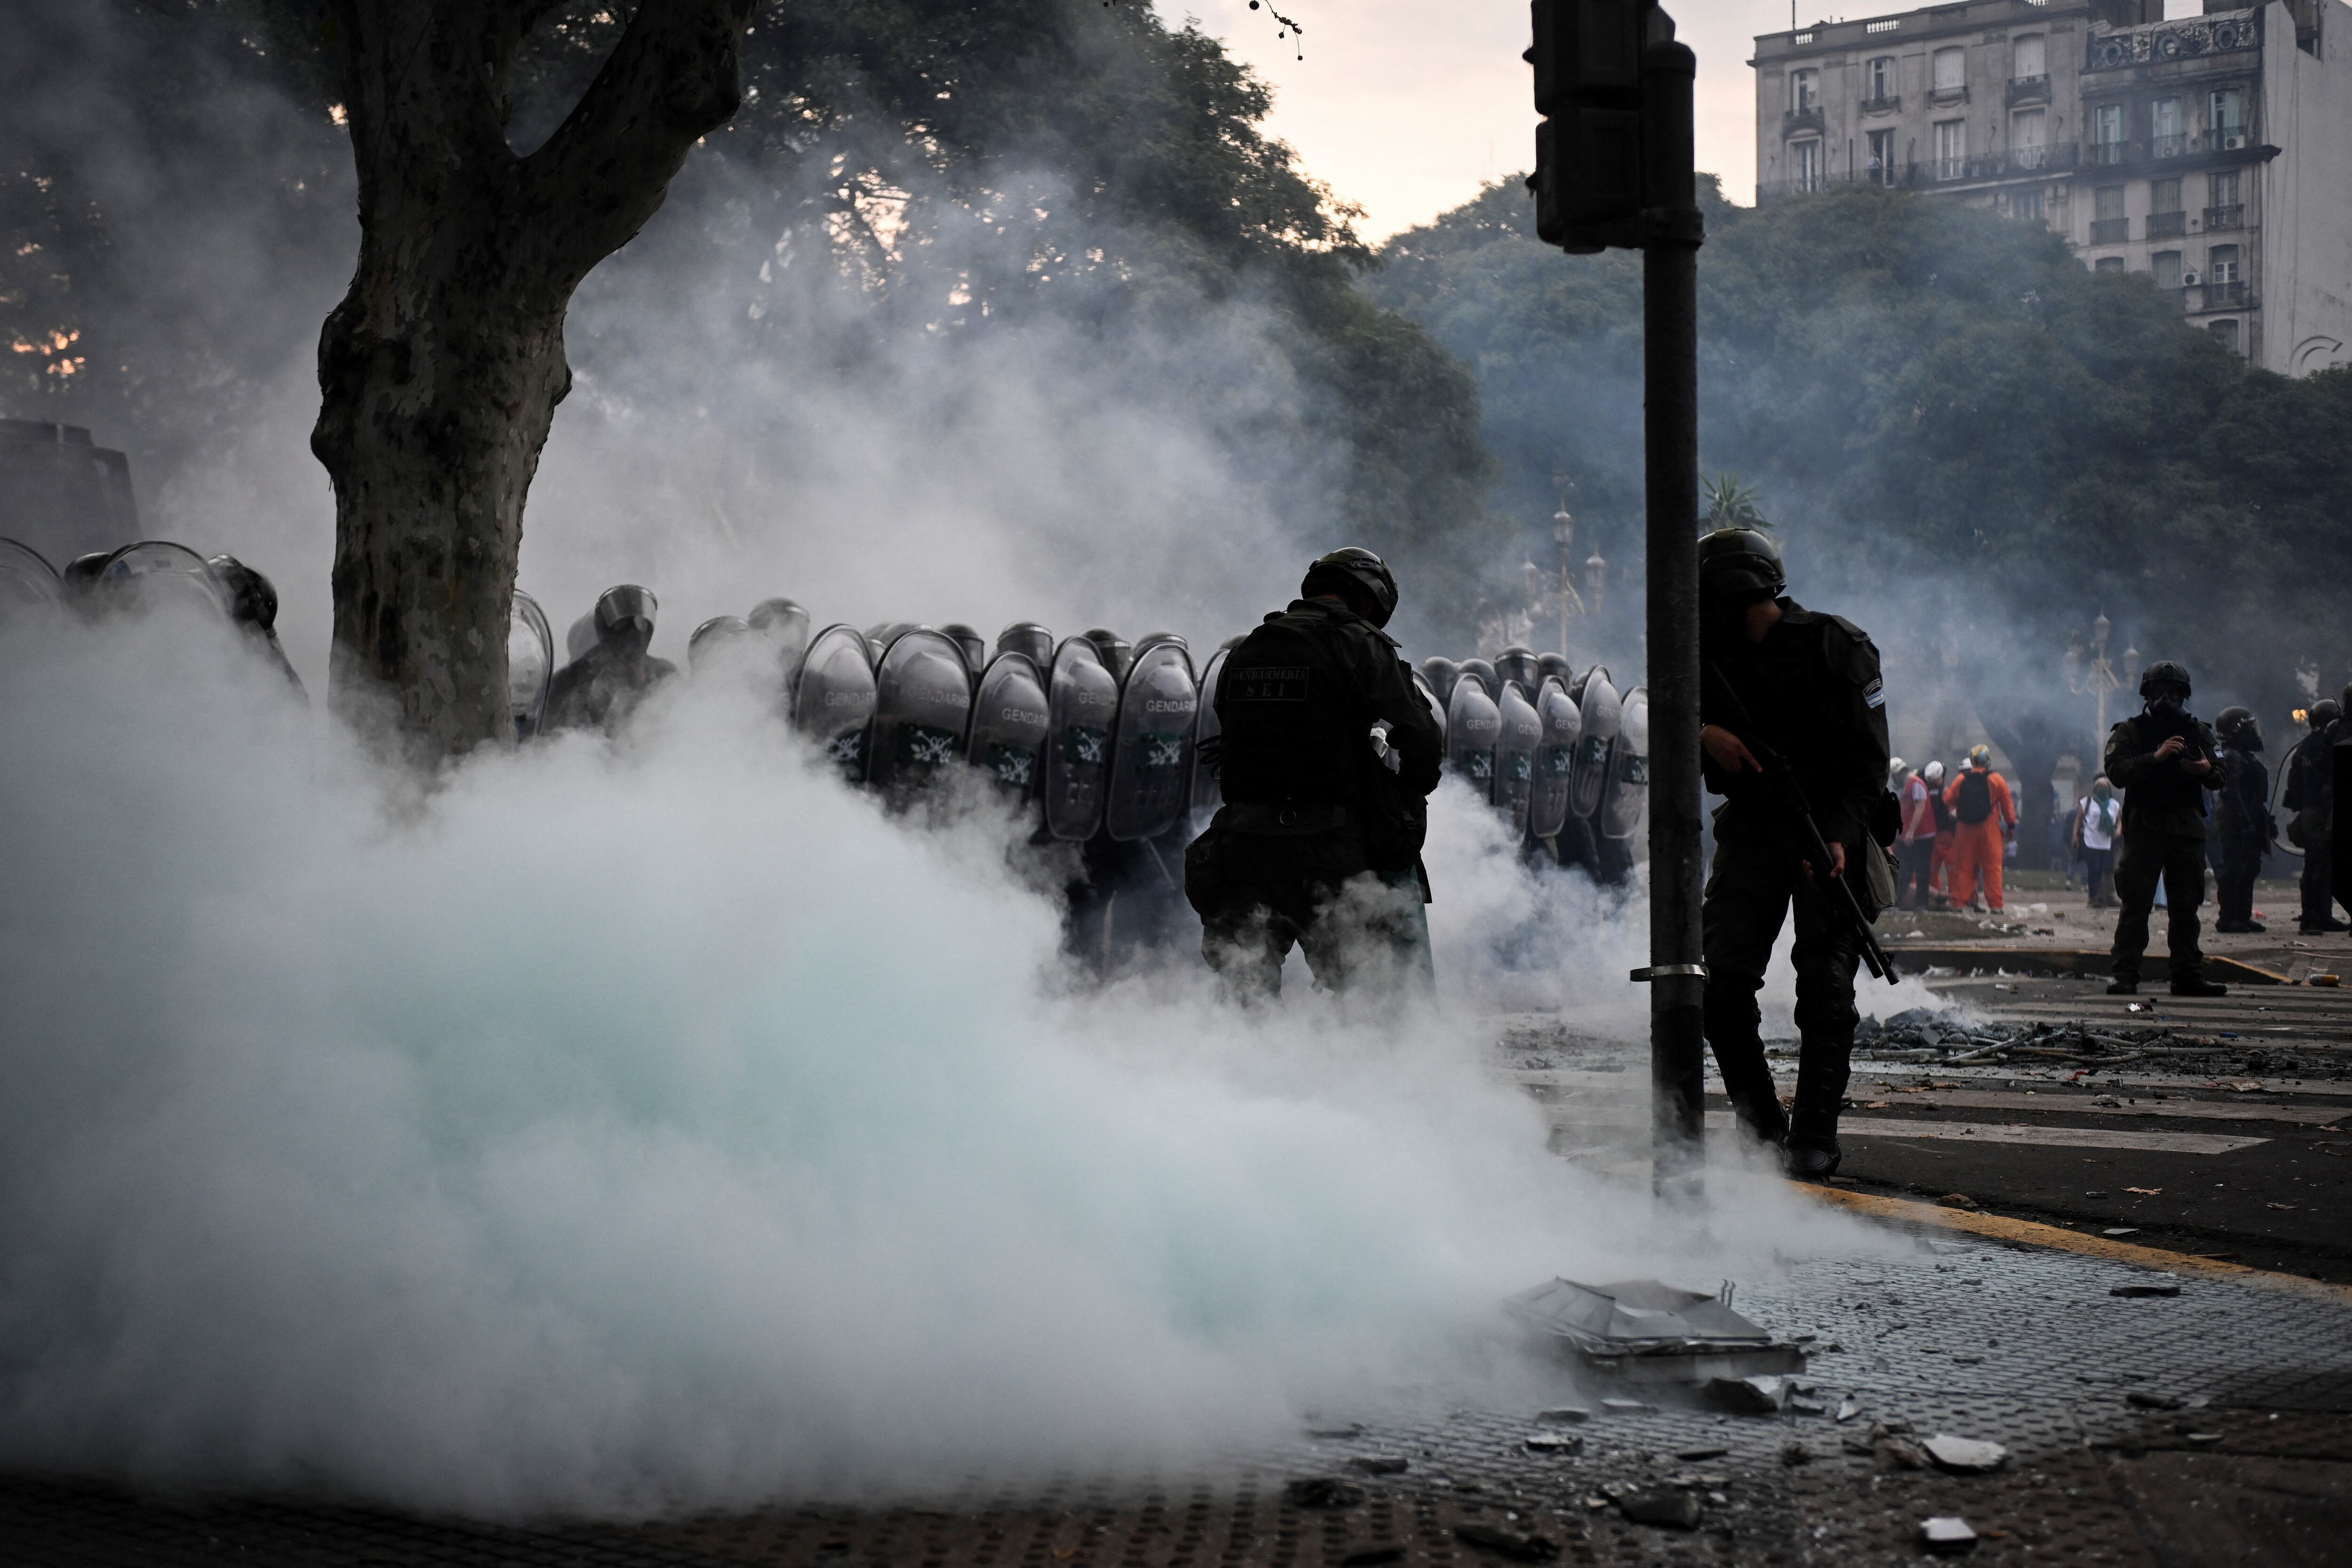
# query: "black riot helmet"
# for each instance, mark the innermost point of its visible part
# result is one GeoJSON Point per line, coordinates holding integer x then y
{"type": "Point", "coordinates": [1115, 651]}
{"type": "Point", "coordinates": [2163, 673]}
{"type": "Point", "coordinates": [1029, 639]}
{"type": "Point", "coordinates": [253, 601]}
{"type": "Point", "coordinates": [2235, 726]}
{"type": "Point", "coordinates": [2325, 711]}
{"type": "Point", "coordinates": [1519, 664]}
{"type": "Point", "coordinates": [625, 618]}
{"type": "Point", "coordinates": [1355, 575]}
{"type": "Point", "coordinates": [1741, 566]}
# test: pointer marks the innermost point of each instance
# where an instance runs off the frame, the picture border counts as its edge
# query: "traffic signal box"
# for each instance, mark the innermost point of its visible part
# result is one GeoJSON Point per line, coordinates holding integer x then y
{"type": "Point", "coordinates": [1587, 59]}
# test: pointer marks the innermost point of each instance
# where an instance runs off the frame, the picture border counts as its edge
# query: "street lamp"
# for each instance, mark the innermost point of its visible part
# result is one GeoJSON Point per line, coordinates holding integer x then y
{"type": "Point", "coordinates": [1563, 534]}
{"type": "Point", "coordinates": [2099, 678]}
{"type": "Point", "coordinates": [1596, 577]}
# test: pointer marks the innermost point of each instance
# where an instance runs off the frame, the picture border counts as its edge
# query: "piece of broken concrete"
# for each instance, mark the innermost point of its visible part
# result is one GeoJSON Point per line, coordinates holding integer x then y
{"type": "Point", "coordinates": [1510, 1543]}
{"type": "Point", "coordinates": [1553, 1443]}
{"type": "Point", "coordinates": [1671, 1507]}
{"type": "Point", "coordinates": [1763, 1396]}
{"type": "Point", "coordinates": [1964, 1455]}
{"type": "Point", "coordinates": [1946, 1536]}
{"type": "Point", "coordinates": [1796, 1454]}
{"type": "Point", "coordinates": [1321, 1491]}
{"type": "Point", "coordinates": [1896, 1452]}
{"type": "Point", "coordinates": [2147, 1399]}
{"type": "Point", "coordinates": [1564, 1415]}
{"type": "Point", "coordinates": [1626, 1406]}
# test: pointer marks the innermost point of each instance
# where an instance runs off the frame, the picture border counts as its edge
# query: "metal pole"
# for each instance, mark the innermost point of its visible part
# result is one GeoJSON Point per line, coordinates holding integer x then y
{"type": "Point", "coordinates": [1672, 234]}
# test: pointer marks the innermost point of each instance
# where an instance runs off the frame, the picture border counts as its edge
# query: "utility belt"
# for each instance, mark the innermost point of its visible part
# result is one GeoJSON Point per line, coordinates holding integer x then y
{"type": "Point", "coordinates": [1285, 818]}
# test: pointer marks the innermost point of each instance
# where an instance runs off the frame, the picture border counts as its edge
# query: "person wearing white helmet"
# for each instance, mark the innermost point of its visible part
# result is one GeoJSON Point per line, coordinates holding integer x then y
{"type": "Point", "coordinates": [1915, 846]}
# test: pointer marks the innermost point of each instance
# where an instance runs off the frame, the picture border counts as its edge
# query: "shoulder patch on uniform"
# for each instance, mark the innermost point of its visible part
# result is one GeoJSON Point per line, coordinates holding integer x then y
{"type": "Point", "coordinates": [1875, 694]}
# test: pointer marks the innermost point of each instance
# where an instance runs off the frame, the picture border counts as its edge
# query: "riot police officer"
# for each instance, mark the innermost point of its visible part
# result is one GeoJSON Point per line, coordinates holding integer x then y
{"type": "Point", "coordinates": [2163, 760]}
{"type": "Point", "coordinates": [1808, 685]}
{"type": "Point", "coordinates": [2311, 795]}
{"type": "Point", "coordinates": [1326, 754]}
{"type": "Point", "coordinates": [604, 685]}
{"type": "Point", "coordinates": [2241, 818]}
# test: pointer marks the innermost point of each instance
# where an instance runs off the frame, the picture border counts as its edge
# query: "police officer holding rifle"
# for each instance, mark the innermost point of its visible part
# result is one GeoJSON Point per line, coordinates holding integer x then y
{"type": "Point", "coordinates": [1794, 736]}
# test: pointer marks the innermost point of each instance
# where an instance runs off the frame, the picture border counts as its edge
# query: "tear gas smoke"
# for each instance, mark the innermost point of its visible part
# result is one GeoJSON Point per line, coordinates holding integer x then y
{"type": "Point", "coordinates": [617, 1130]}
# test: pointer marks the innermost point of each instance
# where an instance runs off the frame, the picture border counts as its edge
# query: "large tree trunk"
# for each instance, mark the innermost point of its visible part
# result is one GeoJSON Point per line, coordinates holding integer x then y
{"type": "Point", "coordinates": [442, 367]}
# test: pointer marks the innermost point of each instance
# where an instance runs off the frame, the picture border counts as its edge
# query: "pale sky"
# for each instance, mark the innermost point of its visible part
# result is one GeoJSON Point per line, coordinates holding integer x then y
{"type": "Point", "coordinates": [1404, 106]}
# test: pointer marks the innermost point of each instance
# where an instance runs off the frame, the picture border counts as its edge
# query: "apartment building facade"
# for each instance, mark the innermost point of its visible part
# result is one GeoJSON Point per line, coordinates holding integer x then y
{"type": "Point", "coordinates": [2212, 152]}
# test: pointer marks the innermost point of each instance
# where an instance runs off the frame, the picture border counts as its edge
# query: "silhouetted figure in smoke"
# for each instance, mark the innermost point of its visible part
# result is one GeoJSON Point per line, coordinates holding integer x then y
{"type": "Point", "coordinates": [601, 687]}
{"type": "Point", "coordinates": [2163, 759]}
{"type": "Point", "coordinates": [2241, 818]}
{"type": "Point", "coordinates": [253, 605]}
{"type": "Point", "coordinates": [1809, 685]}
{"type": "Point", "coordinates": [2310, 795]}
{"type": "Point", "coordinates": [1318, 841]}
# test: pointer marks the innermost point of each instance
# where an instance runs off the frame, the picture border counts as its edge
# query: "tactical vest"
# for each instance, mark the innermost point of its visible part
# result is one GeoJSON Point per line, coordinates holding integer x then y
{"type": "Point", "coordinates": [1292, 729]}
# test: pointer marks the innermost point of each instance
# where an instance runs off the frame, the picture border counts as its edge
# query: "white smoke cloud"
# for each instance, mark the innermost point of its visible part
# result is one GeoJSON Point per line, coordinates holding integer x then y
{"type": "Point", "coordinates": [619, 1131]}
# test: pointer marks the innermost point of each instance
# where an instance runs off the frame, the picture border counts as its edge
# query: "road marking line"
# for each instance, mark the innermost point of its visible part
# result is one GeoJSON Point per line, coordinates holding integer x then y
{"type": "Point", "coordinates": [2025, 1232]}
{"type": "Point", "coordinates": [2048, 1138]}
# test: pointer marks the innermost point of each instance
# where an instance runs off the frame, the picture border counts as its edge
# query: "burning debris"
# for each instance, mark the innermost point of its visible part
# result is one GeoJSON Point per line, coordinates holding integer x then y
{"type": "Point", "coordinates": [1642, 1330]}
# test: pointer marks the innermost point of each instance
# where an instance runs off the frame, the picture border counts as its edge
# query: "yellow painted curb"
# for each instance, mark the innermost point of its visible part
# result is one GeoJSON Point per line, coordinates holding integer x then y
{"type": "Point", "coordinates": [2025, 1232]}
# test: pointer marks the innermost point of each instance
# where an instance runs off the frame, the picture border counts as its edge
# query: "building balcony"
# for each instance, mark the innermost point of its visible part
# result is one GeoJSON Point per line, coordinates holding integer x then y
{"type": "Point", "coordinates": [2166, 226]}
{"type": "Point", "coordinates": [2230, 295]}
{"type": "Point", "coordinates": [1886, 104]}
{"type": "Point", "coordinates": [2017, 163]}
{"type": "Point", "coordinates": [2171, 146]}
{"type": "Point", "coordinates": [2028, 90]}
{"type": "Point", "coordinates": [1942, 97]}
{"type": "Point", "coordinates": [2110, 230]}
{"type": "Point", "coordinates": [2106, 154]}
{"type": "Point", "coordinates": [1797, 120]}
{"type": "Point", "coordinates": [2232, 216]}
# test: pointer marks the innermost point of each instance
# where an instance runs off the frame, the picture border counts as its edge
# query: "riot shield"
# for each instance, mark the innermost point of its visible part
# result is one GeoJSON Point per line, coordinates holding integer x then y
{"type": "Point", "coordinates": [1518, 664]}
{"type": "Point", "coordinates": [1629, 769]}
{"type": "Point", "coordinates": [579, 637]}
{"type": "Point", "coordinates": [1152, 750]}
{"type": "Point", "coordinates": [530, 663]}
{"type": "Point", "coordinates": [1602, 711]}
{"type": "Point", "coordinates": [833, 697]}
{"type": "Point", "coordinates": [155, 573]}
{"type": "Point", "coordinates": [1473, 724]}
{"type": "Point", "coordinates": [973, 646]}
{"type": "Point", "coordinates": [1516, 743]}
{"type": "Point", "coordinates": [1116, 652]}
{"type": "Point", "coordinates": [1439, 676]}
{"type": "Point", "coordinates": [922, 710]}
{"type": "Point", "coordinates": [1208, 790]}
{"type": "Point", "coordinates": [1083, 699]}
{"type": "Point", "coordinates": [785, 625]}
{"type": "Point", "coordinates": [719, 640]}
{"type": "Point", "coordinates": [1554, 759]}
{"type": "Point", "coordinates": [29, 587]}
{"type": "Point", "coordinates": [1436, 706]}
{"type": "Point", "coordinates": [1030, 640]}
{"type": "Point", "coordinates": [1550, 664]}
{"type": "Point", "coordinates": [1009, 723]}
{"type": "Point", "coordinates": [1482, 673]}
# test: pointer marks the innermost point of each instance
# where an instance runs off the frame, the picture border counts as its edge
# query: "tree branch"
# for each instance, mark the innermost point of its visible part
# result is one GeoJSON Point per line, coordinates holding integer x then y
{"type": "Point", "coordinates": [675, 76]}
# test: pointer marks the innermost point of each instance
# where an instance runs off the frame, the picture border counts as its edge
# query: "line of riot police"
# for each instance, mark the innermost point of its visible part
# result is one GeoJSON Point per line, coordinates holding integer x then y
{"type": "Point", "coordinates": [153, 574]}
{"type": "Point", "coordinates": [1562, 757]}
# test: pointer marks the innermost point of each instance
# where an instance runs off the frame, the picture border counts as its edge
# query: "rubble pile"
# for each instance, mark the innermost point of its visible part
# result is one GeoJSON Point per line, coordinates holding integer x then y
{"type": "Point", "coordinates": [1950, 1040]}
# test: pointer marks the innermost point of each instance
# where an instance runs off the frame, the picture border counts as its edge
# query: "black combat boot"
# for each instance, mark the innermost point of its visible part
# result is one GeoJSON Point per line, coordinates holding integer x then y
{"type": "Point", "coordinates": [2197, 986]}
{"type": "Point", "coordinates": [2124, 986]}
{"type": "Point", "coordinates": [1810, 1162]}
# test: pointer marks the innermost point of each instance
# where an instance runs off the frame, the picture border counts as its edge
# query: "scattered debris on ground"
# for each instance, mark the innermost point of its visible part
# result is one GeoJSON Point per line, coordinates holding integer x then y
{"type": "Point", "coordinates": [1946, 1537]}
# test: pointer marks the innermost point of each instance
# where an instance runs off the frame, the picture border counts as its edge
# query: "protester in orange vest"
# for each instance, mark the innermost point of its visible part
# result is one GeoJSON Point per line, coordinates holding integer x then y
{"type": "Point", "coordinates": [1984, 817]}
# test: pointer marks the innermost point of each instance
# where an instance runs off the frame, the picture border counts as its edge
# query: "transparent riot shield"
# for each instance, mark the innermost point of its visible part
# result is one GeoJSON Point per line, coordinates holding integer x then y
{"type": "Point", "coordinates": [1473, 724]}
{"type": "Point", "coordinates": [785, 626]}
{"type": "Point", "coordinates": [579, 637]}
{"type": "Point", "coordinates": [1563, 727]}
{"type": "Point", "coordinates": [723, 641]}
{"type": "Point", "coordinates": [1081, 696]}
{"type": "Point", "coordinates": [1516, 743]}
{"type": "Point", "coordinates": [30, 589]}
{"type": "Point", "coordinates": [1010, 721]}
{"type": "Point", "coordinates": [833, 699]}
{"type": "Point", "coordinates": [154, 573]}
{"type": "Point", "coordinates": [530, 663]}
{"type": "Point", "coordinates": [1602, 711]}
{"type": "Point", "coordinates": [1208, 790]}
{"type": "Point", "coordinates": [1550, 664]}
{"type": "Point", "coordinates": [1152, 750]}
{"type": "Point", "coordinates": [1436, 705]}
{"type": "Point", "coordinates": [1629, 769]}
{"type": "Point", "coordinates": [922, 710]}
{"type": "Point", "coordinates": [973, 646]}
{"type": "Point", "coordinates": [1482, 673]}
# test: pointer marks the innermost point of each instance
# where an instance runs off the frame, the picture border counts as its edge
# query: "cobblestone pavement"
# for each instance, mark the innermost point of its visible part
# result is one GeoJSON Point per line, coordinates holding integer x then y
{"type": "Point", "coordinates": [2209, 1426]}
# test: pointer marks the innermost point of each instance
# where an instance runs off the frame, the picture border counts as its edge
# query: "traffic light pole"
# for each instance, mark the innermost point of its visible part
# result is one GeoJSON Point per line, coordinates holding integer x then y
{"type": "Point", "coordinates": [1672, 232]}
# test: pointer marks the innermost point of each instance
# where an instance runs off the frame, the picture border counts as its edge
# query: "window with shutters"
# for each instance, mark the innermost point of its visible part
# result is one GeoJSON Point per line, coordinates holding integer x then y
{"type": "Point", "coordinates": [2226, 333]}
{"type": "Point", "coordinates": [1804, 90]}
{"type": "Point", "coordinates": [1950, 71]}
{"type": "Point", "coordinates": [2031, 60]}
{"type": "Point", "coordinates": [2165, 268]}
{"type": "Point", "coordinates": [1951, 149]}
{"type": "Point", "coordinates": [1882, 158]}
{"type": "Point", "coordinates": [2222, 263]}
{"type": "Point", "coordinates": [1806, 164]}
{"type": "Point", "coordinates": [1879, 77]}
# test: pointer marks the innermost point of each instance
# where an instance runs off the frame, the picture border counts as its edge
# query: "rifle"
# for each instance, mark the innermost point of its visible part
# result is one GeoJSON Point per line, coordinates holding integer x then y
{"type": "Point", "coordinates": [1784, 778]}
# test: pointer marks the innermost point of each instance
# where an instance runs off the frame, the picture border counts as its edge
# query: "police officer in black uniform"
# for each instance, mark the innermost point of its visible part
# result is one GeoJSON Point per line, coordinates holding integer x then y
{"type": "Point", "coordinates": [2311, 795]}
{"type": "Point", "coordinates": [1327, 755]}
{"type": "Point", "coordinates": [2241, 818]}
{"type": "Point", "coordinates": [2163, 759]}
{"type": "Point", "coordinates": [603, 686]}
{"type": "Point", "coordinates": [1810, 685]}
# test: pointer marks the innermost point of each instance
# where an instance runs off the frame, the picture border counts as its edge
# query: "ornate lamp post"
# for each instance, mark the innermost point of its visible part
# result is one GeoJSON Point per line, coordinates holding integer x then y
{"type": "Point", "coordinates": [1596, 577]}
{"type": "Point", "coordinates": [1563, 534]}
{"type": "Point", "coordinates": [2098, 678]}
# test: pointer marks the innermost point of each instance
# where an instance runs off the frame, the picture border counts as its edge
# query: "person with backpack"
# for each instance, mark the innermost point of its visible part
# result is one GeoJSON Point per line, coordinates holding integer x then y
{"type": "Point", "coordinates": [1983, 816]}
{"type": "Point", "coordinates": [2165, 759]}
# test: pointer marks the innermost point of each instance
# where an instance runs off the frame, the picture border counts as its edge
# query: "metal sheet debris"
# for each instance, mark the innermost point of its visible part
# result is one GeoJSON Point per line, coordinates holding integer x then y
{"type": "Point", "coordinates": [1964, 1455]}
{"type": "Point", "coordinates": [1644, 1330]}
